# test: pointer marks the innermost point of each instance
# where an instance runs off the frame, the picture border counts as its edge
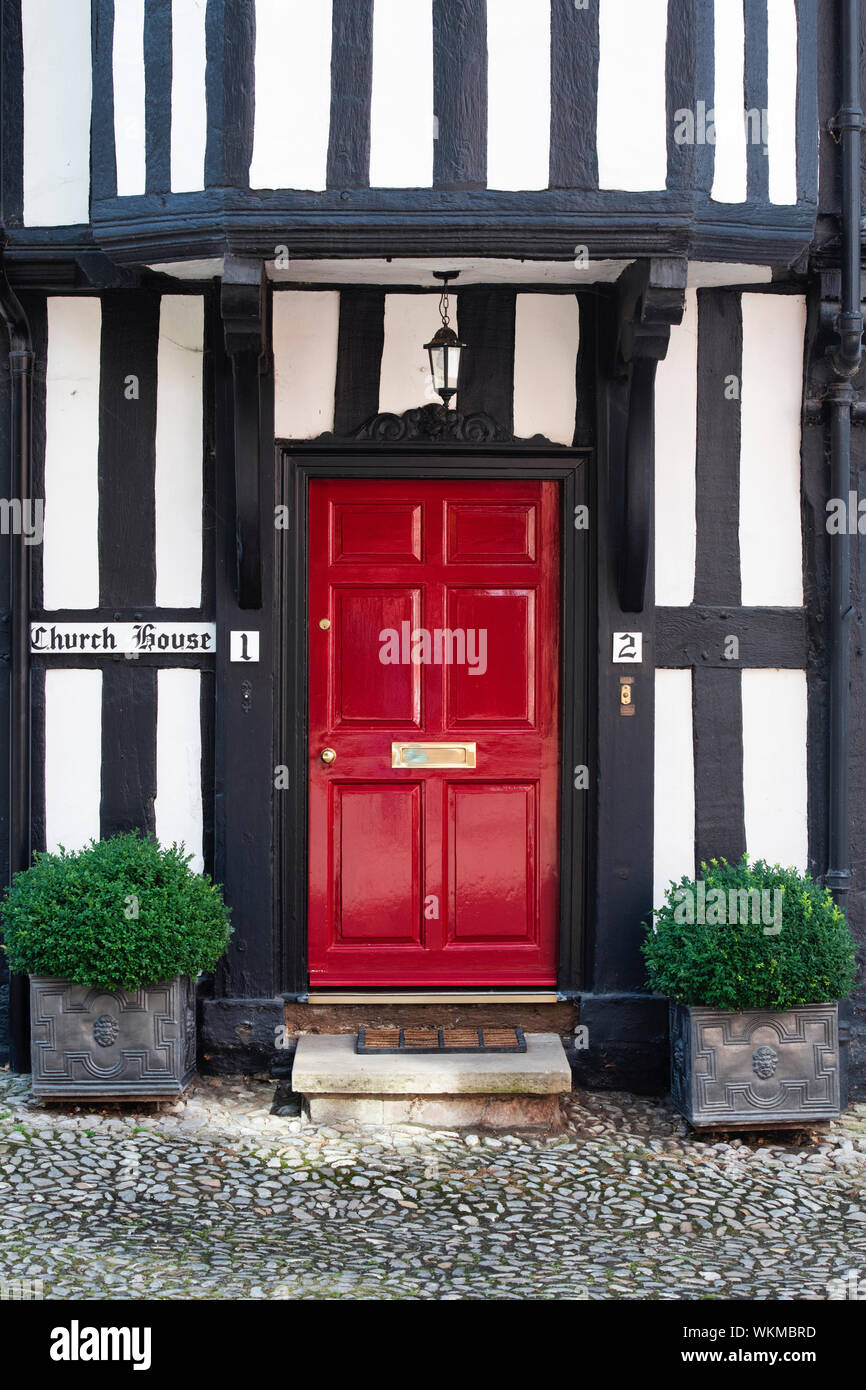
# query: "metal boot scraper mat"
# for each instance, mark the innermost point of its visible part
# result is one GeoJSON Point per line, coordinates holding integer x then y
{"type": "Point", "coordinates": [395, 1040]}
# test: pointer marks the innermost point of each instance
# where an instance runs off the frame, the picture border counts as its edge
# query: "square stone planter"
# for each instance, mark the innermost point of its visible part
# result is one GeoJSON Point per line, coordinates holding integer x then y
{"type": "Point", "coordinates": [757, 1069]}
{"type": "Point", "coordinates": [103, 1044]}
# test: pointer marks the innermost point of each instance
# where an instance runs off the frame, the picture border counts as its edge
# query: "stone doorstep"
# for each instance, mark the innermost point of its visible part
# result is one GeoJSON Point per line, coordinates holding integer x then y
{"type": "Point", "coordinates": [328, 1065]}
{"type": "Point", "coordinates": [438, 1112]}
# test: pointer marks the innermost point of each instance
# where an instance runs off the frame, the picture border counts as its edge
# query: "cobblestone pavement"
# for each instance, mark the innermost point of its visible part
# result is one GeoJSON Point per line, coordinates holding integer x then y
{"type": "Point", "coordinates": [217, 1197]}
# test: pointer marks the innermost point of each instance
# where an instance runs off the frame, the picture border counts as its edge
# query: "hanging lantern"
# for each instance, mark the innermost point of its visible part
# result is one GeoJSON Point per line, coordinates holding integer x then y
{"type": "Point", "coordinates": [445, 347]}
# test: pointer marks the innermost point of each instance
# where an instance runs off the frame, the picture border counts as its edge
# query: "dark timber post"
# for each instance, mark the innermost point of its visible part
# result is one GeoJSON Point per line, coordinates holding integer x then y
{"type": "Point", "coordinates": [244, 714]}
{"type": "Point", "coordinates": [21, 385]}
{"type": "Point", "coordinates": [627, 1026]}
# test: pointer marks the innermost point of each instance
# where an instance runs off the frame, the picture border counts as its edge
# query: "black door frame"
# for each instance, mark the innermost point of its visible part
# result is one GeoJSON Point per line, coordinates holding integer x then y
{"type": "Point", "coordinates": [297, 462]}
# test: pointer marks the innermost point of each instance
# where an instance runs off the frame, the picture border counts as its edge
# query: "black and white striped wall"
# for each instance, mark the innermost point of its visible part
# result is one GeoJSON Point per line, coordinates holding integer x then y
{"type": "Point", "coordinates": [179, 96]}
{"type": "Point", "coordinates": [123, 441]}
{"type": "Point", "coordinates": [123, 457]}
{"type": "Point", "coordinates": [341, 356]}
{"type": "Point", "coordinates": [734, 764]}
{"type": "Point", "coordinates": [121, 450]}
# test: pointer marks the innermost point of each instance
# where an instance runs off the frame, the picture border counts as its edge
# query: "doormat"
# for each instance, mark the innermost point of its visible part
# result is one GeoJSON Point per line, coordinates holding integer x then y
{"type": "Point", "coordinates": [393, 1040]}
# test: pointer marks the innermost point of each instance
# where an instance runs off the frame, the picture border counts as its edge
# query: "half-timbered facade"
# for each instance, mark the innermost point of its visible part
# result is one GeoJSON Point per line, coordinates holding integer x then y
{"type": "Point", "coordinates": [222, 221]}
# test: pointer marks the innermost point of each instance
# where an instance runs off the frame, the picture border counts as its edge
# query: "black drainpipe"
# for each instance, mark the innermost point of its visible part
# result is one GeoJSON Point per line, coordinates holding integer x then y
{"type": "Point", "coordinates": [21, 390]}
{"type": "Point", "coordinates": [848, 124]}
{"type": "Point", "coordinates": [840, 395]}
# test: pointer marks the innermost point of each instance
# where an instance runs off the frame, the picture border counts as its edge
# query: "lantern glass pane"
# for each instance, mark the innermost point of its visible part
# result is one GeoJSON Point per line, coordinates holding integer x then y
{"type": "Point", "coordinates": [437, 366]}
{"type": "Point", "coordinates": [452, 367]}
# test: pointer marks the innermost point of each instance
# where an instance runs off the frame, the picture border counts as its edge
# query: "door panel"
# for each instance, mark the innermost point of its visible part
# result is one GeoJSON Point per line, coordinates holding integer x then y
{"type": "Point", "coordinates": [377, 862]}
{"type": "Point", "coordinates": [477, 533]}
{"type": "Point", "coordinates": [364, 532]}
{"type": "Point", "coordinates": [507, 695]}
{"type": "Point", "coordinates": [365, 691]}
{"type": "Point", "coordinates": [493, 870]}
{"type": "Point", "coordinates": [443, 604]}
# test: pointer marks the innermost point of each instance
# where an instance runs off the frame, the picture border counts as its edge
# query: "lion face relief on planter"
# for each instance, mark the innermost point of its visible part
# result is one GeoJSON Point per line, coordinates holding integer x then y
{"type": "Point", "coordinates": [754, 959]}
{"type": "Point", "coordinates": [113, 938]}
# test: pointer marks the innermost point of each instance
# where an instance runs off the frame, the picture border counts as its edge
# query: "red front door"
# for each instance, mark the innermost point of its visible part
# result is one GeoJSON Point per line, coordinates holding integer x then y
{"type": "Point", "coordinates": [434, 676]}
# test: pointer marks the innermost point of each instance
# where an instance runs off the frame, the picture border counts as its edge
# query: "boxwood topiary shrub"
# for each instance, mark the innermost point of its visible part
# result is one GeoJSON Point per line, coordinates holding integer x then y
{"type": "Point", "coordinates": [792, 946]}
{"type": "Point", "coordinates": [121, 913]}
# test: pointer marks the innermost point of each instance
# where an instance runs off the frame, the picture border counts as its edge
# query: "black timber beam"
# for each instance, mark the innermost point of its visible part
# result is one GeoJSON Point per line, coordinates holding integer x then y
{"type": "Point", "coordinates": [699, 636]}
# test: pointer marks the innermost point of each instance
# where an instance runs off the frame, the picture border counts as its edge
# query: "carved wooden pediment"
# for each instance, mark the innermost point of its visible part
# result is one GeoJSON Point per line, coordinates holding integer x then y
{"type": "Point", "coordinates": [434, 424]}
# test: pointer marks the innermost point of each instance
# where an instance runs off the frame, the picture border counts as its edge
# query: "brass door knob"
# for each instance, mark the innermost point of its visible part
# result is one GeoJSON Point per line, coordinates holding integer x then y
{"type": "Point", "coordinates": [328, 755]}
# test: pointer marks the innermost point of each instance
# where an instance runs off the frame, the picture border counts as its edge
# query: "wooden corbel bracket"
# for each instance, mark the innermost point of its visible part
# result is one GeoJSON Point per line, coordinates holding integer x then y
{"type": "Point", "coordinates": [650, 299]}
{"type": "Point", "coordinates": [242, 308]}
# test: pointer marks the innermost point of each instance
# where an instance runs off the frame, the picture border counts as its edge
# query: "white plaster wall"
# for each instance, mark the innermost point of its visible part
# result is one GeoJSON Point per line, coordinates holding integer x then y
{"type": "Point", "coordinates": [782, 100]}
{"type": "Point", "coordinates": [631, 118]}
{"type": "Point", "coordinates": [178, 803]}
{"type": "Point", "coordinates": [729, 175]}
{"type": "Point", "coordinates": [775, 787]}
{"type": "Point", "coordinates": [401, 116]}
{"type": "Point", "coordinates": [675, 448]}
{"type": "Point", "coordinates": [305, 332]}
{"type": "Point", "coordinates": [546, 339]}
{"type": "Point", "coordinates": [674, 776]}
{"type": "Point", "coordinates": [129, 92]}
{"type": "Point", "coordinates": [518, 126]}
{"type": "Point", "coordinates": [70, 557]}
{"type": "Point", "coordinates": [410, 322]}
{"type": "Point", "coordinates": [73, 757]}
{"type": "Point", "coordinates": [771, 549]}
{"type": "Point", "coordinates": [179, 451]}
{"type": "Point", "coordinates": [293, 94]}
{"type": "Point", "coordinates": [57, 90]}
{"type": "Point", "coordinates": [188, 99]}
